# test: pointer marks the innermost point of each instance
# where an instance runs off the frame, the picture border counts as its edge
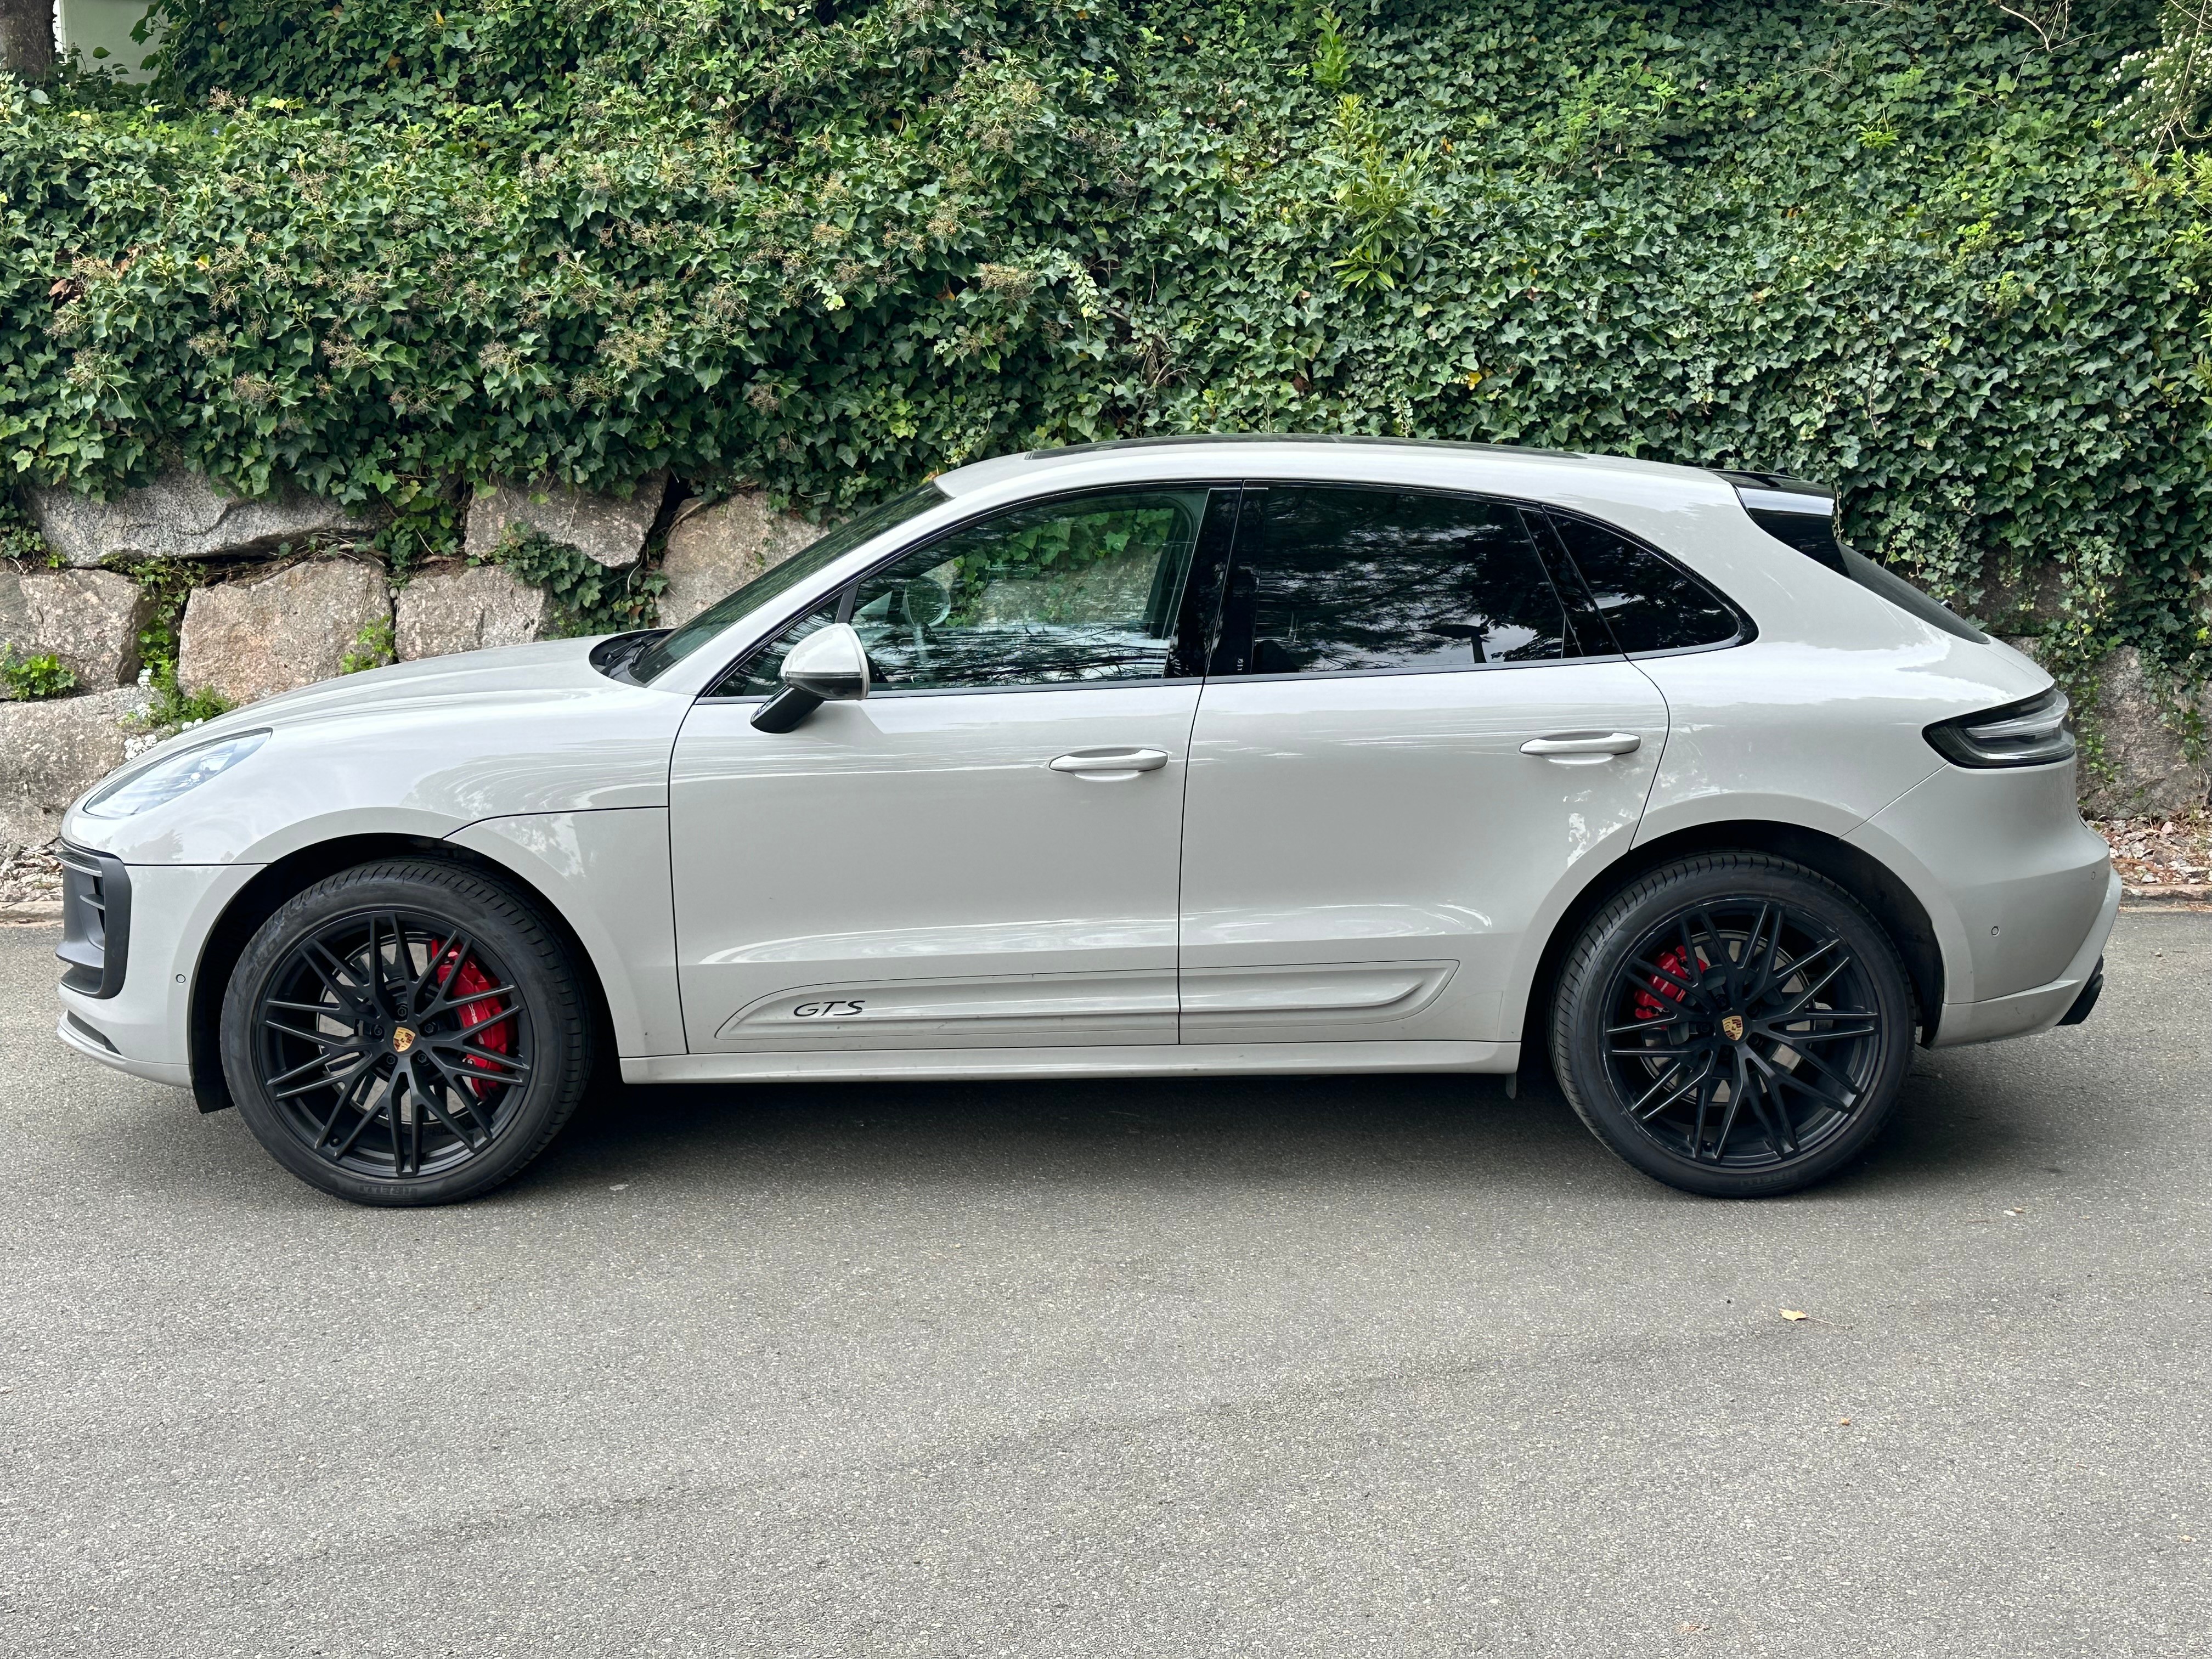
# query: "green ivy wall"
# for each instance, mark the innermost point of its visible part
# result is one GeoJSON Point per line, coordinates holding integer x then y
{"type": "Point", "coordinates": [375, 248]}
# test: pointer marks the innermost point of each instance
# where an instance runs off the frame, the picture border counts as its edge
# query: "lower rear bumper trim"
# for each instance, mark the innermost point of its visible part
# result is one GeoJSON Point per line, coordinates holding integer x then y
{"type": "Point", "coordinates": [2087, 999]}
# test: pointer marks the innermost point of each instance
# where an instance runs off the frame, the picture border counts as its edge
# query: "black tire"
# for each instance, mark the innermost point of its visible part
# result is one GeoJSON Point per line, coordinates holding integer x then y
{"type": "Point", "coordinates": [430, 1079]}
{"type": "Point", "coordinates": [1692, 1077]}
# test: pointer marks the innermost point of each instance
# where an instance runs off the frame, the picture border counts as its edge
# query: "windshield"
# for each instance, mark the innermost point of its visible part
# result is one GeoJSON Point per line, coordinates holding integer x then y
{"type": "Point", "coordinates": [667, 652]}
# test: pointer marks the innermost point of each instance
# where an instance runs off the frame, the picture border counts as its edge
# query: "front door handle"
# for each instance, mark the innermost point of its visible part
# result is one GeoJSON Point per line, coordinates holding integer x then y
{"type": "Point", "coordinates": [1108, 763]}
{"type": "Point", "coordinates": [1583, 743]}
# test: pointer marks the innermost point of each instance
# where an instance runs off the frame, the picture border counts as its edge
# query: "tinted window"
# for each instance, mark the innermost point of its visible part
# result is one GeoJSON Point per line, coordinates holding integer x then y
{"type": "Point", "coordinates": [1330, 578]}
{"type": "Point", "coordinates": [1651, 604]}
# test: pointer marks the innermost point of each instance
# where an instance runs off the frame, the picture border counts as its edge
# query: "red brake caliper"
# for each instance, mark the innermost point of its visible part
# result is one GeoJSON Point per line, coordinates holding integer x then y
{"type": "Point", "coordinates": [1675, 960]}
{"type": "Point", "coordinates": [487, 1017]}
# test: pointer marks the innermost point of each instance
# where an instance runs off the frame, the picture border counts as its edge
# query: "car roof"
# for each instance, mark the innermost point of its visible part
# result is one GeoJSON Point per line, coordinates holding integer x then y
{"type": "Point", "coordinates": [1330, 456]}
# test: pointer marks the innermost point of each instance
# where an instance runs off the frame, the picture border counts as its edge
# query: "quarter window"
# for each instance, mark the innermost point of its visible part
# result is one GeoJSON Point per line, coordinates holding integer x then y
{"type": "Point", "coordinates": [756, 676]}
{"type": "Point", "coordinates": [1651, 604]}
{"type": "Point", "coordinates": [1338, 579]}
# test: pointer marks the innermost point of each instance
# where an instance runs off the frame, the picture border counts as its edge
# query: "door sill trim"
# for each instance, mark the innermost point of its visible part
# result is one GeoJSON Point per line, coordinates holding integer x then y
{"type": "Point", "coordinates": [1147, 1060]}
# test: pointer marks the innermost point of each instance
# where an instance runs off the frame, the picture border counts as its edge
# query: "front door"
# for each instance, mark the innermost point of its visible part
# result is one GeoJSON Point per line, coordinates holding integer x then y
{"type": "Point", "coordinates": [984, 851]}
{"type": "Point", "coordinates": [1405, 744]}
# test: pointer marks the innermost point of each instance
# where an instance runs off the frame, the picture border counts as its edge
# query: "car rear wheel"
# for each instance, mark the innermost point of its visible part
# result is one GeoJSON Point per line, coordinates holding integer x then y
{"type": "Point", "coordinates": [407, 1032]}
{"type": "Point", "coordinates": [1734, 1026]}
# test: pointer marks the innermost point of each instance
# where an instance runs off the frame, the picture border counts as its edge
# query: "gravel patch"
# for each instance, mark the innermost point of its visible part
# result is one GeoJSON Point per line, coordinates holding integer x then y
{"type": "Point", "coordinates": [2162, 860]}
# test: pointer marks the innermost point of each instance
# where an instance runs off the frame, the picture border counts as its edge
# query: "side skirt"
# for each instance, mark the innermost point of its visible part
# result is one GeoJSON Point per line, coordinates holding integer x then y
{"type": "Point", "coordinates": [1157, 1060]}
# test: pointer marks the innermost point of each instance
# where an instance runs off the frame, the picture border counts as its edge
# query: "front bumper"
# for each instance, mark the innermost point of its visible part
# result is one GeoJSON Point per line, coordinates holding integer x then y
{"type": "Point", "coordinates": [143, 1025]}
{"type": "Point", "coordinates": [81, 1033]}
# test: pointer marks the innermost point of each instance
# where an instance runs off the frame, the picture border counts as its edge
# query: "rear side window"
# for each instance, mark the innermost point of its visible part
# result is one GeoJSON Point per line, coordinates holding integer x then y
{"type": "Point", "coordinates": [1650, 603]}
{"type": "Point", "coordinates": [1335, 578]}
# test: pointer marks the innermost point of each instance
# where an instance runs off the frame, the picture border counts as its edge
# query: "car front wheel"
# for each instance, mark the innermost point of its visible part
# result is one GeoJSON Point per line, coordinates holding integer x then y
{"type": "Point", "coordinates": [1734, 1026]}
{"type": "Point", "coordinates": [405, 1033]}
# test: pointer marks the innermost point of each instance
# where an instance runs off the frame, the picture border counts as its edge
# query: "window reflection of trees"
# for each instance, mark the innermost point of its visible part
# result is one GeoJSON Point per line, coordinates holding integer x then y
{"type": "Point", "coordinates": [1049, 594]}
{"type": "Point", "coordinates": [756, 676]}
{"type": "Point", "coordinates": [1352, 579]}
{"type": "Point", "coordinates": [1649, 605]}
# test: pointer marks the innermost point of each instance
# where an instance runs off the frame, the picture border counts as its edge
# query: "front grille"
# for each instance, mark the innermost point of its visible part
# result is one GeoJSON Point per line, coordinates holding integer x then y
{"type": "Point", "coordinates": [95, 920]}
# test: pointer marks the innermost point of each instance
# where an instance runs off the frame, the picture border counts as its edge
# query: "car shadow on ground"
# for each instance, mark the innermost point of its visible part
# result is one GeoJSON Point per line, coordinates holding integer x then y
{"type": "Point", "coordinates": [1232, 1131]}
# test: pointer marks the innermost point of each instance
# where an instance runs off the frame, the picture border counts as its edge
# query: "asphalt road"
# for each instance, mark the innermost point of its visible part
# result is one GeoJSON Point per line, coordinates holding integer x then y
{"type": "Point", "coordinates": [1335, 1367]}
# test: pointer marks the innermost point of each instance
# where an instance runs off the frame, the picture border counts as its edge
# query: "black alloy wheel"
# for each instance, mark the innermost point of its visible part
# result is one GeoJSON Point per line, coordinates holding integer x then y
{"type": "Point", "coordinates": [1734, 1026]}
{"type": "Point", "coordinates": [399, 1024]}
{"type": "Point", "coordinates": [405, 1034]}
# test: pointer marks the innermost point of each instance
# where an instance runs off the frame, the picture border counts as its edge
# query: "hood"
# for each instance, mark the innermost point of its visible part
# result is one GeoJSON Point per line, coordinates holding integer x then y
{"type": "Point", "coordinates": [547, 666]}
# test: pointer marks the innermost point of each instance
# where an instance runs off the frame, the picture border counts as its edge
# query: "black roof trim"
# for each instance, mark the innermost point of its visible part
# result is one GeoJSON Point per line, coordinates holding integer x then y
{"type": "Point", "coordinates": [1779, 482]}
{"type": "Point", "coordinates": [1161, 440]}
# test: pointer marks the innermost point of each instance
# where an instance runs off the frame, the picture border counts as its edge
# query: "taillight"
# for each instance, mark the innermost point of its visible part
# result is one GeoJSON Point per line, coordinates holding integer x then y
{"type": "Point", "coordinates": [2030, 733]}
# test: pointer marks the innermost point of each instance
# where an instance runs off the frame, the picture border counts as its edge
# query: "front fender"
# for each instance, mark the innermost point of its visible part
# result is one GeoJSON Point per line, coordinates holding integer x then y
{"type": "Point", "coordinates": [428, 767]}
{"type": "Point", "coordinates": [607, 873]}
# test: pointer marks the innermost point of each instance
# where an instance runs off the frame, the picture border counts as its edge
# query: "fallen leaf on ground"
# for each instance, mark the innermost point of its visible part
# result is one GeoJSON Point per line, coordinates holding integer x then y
{"type": "Point", "coordinates": [1792, 1313]}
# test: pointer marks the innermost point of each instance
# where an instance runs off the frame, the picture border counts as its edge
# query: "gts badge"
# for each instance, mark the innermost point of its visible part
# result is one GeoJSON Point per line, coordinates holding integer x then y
{"type": "Point", "coordinates": [827, 1010]}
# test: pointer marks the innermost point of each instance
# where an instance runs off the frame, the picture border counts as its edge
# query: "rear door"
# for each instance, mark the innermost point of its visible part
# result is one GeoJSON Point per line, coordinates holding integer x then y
{"type": "Point", "coordinates": [1404, 744]}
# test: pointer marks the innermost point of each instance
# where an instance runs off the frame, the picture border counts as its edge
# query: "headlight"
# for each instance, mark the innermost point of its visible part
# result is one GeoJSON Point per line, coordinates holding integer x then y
{"type": "Point", "coordinates": [2030, 733]}
{"type": "Point", "coordinates": [171, 775]}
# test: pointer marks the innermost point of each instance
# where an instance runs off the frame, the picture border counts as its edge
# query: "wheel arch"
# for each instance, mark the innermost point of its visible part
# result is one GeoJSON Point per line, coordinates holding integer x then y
{"type": "Point", "coordinates": [1885, 896]}
{"type": "Point", "coordinates": [261, 898]}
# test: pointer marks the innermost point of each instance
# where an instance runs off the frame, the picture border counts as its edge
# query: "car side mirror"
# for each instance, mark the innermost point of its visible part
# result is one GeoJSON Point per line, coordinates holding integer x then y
{"type": "Point", "coordinates": [831, 665]}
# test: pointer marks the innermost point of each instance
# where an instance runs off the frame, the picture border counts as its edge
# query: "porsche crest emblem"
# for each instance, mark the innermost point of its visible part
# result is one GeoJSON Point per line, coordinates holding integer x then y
{"type": "Point", "coordinates": [1731, 1027]}
{"type": "Point", "coordinates": [402, 1039]}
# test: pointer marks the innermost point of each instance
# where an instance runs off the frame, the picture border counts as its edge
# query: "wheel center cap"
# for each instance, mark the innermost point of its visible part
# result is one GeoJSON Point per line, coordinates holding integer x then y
{"type": "Point", "coordinates": [402, 1039]}
{"type": "Point", "coordinates": [1731, 1028]}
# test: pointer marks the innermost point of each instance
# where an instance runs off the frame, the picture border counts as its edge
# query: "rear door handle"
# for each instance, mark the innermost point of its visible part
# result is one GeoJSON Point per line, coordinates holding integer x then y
{"type": "Point", "coordinates": [1104, 764]}
{"type": "Point", "coordinates": [1583, 743]}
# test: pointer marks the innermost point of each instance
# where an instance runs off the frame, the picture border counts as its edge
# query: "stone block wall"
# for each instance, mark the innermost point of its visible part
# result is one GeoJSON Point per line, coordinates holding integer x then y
{"type": "Point", "coordinates": [87, 619]}
{"type": "Point", "coordinates": [289, 590]}
{"type": "Point", "coordinates": [52, 752]}
{"type": "Point", "coordinates": [610, 530]}
{"type": "Point", "coordinates": [447, 607]}
{"type": "Point", "coordinates": [297, 595]}
{"type": "Point", "coordinates": [252, 639]}
{"type": "Point", "coordinates": [2144, 754]}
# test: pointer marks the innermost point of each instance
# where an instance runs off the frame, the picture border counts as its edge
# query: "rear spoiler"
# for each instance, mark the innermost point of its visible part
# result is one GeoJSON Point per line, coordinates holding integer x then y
{"type": "Point", "coordinates": [1797, 511]}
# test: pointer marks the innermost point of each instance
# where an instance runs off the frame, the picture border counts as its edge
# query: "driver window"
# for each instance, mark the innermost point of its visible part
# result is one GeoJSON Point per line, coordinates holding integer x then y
{"type": "Point", "coordinates": [1078, 590]}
